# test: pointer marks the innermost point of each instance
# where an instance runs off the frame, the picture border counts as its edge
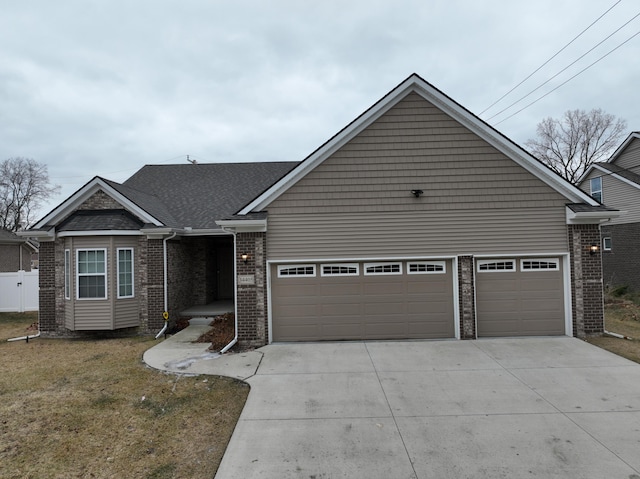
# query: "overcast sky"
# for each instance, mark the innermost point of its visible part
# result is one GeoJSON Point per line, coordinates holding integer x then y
{"type": "Point", "coordinates": [103, 87]}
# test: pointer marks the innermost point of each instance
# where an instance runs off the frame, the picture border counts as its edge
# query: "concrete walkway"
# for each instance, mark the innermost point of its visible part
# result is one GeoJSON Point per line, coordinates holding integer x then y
{"type": "Point", "coordinates": [540, 407]}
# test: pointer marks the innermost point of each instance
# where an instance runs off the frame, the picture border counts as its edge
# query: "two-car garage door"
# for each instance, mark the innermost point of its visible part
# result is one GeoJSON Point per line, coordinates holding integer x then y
{"type": "Point", "coordinates": [360, 300]}
{"type": "Point", "coordinates": [414, 299]}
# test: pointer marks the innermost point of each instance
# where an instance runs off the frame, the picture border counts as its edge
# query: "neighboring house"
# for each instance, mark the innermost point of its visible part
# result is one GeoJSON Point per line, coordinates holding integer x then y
{"type": "Point", "coordinates": [15, 252]}
{"type": "Point", "coordinates": [616, 182]}
{"type": "Point", "coordinates": [416, 220]}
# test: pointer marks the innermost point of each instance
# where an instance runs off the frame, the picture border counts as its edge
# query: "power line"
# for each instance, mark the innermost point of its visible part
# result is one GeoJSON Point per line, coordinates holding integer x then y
{"type": "Point", "coordinates": [555, 55]}
{"type": "Point", "coordinates": [565, 68]}
{"type": "Point", "coordinates": [567, 81]}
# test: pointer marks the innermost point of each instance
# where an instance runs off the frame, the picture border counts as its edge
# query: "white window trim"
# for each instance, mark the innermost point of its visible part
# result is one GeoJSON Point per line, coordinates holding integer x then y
{"type": "Point", "coordinates": [373, 265]}
{"type": "Point", "coordinates": [340, 265]}
{"type": "Point", "coordinates": [426, 263]}
{"type": "Point", "coordinates": [133, 283]}
{"type": "Point", "coordinates": [77, 275]}
{"type": "Point", "coordinates": [67, 274]}
{"type": "Point", "coordinates": [293, 266]}
{"type": "Point", "coordinates": [482, 262]}
{"type": "Point", "coordinates": [604, 242]}
{"type": "Point", "coordinates": [555, 261]}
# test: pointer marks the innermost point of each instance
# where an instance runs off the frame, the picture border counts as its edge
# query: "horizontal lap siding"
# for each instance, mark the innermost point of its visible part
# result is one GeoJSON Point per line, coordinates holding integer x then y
{"type": "Point", "coordinates": [358, 201]}
{"type": "Point", "coordinates": [630, 158]}
{"type": "Point", "coordinates": [102, 314]}
{"type": "Point", "coordinates": [406, 234]}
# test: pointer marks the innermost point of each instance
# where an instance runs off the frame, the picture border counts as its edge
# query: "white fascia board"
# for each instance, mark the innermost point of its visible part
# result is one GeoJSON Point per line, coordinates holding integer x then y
{"type": "Point", "coordinates": [243, 226]}
{"type": "Point", "coordinates": [616, 176]}
{"type": "Point", "coordinates": [48, 235]}
{"type": "Point", "coordinates": [157, 233]}
{"type": "Point", "coordinates": [416, 84]}
{"type": "Point", "coordinates": [101, 233]}
{"type": "Point", "coordinates": [591, 217]}
{"type": "Point", "coordinates": [624, 144]}
{"type": "Point", "coordinates": [80, 196]}
{"type": "Point", "coordinates": [187, 231]}
{"type": "Point", "coordinates": [506, 146]}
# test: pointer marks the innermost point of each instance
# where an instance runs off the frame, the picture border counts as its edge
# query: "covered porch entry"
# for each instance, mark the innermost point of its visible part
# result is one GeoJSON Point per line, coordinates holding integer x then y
{"type": "Point", "coordinates": [200, 274]}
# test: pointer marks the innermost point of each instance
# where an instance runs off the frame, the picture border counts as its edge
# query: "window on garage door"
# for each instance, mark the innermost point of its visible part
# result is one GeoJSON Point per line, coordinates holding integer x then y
{"type": "Point", "coordinates": [297, 270]}
{"type": "Point", "coordinates": [340, 269]}
{"type": "Point", "coordinates": [496, 265]}
{"type": "Point", "coordinates": [541, 264]}
{"type": "Point", "coordinates": [426, 267]}
{"type": "Point", "coordinates": [382, 268]}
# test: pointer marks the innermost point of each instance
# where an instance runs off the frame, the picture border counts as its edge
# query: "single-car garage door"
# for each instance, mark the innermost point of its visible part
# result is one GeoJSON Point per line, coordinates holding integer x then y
{"type": "Point", "coordinates": [520, 297]}
{"type": "Point", "coordinates": [360, 300]}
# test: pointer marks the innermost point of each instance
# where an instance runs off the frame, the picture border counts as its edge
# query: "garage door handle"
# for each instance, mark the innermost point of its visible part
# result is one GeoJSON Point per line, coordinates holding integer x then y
{"type": "Point", "coordinates": [19, 284]}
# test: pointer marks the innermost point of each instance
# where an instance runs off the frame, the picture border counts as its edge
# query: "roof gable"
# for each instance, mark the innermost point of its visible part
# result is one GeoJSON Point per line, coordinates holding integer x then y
{"type": "Point", "coordinates": [72, 203]}
{"type": "Point", "coordinates": [623, 164]}
{"type": "Point", "coordinates": [415, 84]}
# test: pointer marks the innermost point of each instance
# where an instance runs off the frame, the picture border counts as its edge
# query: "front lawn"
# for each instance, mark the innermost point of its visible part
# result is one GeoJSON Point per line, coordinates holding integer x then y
{"type": "Point", "coordinates": [622, 316]}
{"type": "Point", "coordinates": [91, 408]}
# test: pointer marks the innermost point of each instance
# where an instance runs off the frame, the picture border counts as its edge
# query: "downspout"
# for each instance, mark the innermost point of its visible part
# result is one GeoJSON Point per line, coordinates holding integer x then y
{"type": "Point", "coordinates": [235, 292]}
{"type": "Point", "coordinates": [27, 338]}
{"type": "Point", "coordinates": [166, 288]}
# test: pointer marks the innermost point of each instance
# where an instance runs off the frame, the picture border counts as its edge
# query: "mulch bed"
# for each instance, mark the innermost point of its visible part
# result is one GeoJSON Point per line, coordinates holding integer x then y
{"type": "Point", "coordinates": [221, 333]}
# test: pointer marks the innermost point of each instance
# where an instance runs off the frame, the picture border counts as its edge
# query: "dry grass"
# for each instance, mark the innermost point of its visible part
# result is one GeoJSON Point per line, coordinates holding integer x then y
{"type": "Point", "coordinates": [91, 409]}
{"type": "Point", "coordinates": [622, 317]}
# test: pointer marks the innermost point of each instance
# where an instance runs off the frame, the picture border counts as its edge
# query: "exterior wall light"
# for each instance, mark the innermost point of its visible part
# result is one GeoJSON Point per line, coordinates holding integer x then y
{"type": "Point", "coordinates": [593, 249]}
{"type": "Point", "coordinates": [417, 193]}
{"type": "Point", "coordinates": [245, 257]}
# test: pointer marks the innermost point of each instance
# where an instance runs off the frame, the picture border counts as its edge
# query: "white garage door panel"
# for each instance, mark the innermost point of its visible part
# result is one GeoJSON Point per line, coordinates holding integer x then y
{"type": "Point", "coordinates": [393, 306]}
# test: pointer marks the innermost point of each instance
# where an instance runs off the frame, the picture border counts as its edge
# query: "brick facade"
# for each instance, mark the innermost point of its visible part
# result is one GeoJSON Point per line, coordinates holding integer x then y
{"type": "Point", "coordinates": [47, 283]}
{"type": "Point", "coordinates": [621, 265]}
{"type": "Point", "coordinates": [251, 299]}
{"type": "Point", "coordinates": [587, 302]}
{"type": "Point", "coordinates": [466, 294]}
{"type": "Point", "coordinates": [14, 257]}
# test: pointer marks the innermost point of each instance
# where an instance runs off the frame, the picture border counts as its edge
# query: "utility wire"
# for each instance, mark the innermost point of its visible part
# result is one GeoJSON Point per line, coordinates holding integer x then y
{"type": "Point", "coordinates": [567, 81]}
{"type": "Point", "coordinates": [555, 55]}
{"type": "Point", "coordinates": [566, 68]}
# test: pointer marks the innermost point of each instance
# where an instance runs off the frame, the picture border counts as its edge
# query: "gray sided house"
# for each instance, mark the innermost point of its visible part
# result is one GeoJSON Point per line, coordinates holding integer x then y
{"type": "Point", "coordinates": [616, 182]}
{"type": "Point", "coordinates": [16, 253]}
{"type": "Point", "coordinates": [416, 220]}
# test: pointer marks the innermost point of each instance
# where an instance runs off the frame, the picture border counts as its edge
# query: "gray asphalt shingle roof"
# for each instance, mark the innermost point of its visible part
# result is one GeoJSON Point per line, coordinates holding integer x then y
{"type": "Point", "coordinates": [7, 236]}
{"type": "Point", "coordinates": [196, 195]}
{"type": "Point", "coordinates": [624, 173]}
{"type": "Point", "coordinates": [93, 220]}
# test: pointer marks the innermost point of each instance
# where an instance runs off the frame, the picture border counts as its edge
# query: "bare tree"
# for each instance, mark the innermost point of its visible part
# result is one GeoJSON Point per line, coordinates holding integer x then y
{"type": "Point", "coordinates": [570, 144]}
{"type": "Point", "coordinates": [24, 185]}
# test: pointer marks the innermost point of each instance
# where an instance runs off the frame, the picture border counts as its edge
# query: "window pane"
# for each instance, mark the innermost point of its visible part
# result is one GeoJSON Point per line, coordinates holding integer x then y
{"type": "Point", "coordinates": [91, 287]}
{"type": "Point", "coordinates": [125, 273]}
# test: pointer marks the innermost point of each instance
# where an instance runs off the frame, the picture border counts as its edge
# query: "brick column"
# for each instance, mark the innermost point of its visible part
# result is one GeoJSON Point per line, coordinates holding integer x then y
{"type": "Point", "coordinates": [154, 284]}
{"type": "Point", "coordinates": [47, 283]}
{"type": "Point", "coordinates": [466, 295]}
{"type": "Point", "coordinates": [251, 283]}
{"type": "Point", "coordinates": [587, 301]}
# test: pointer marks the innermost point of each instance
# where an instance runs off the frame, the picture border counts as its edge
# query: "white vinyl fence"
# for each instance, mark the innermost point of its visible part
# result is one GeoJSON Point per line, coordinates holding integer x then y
{"type": "Point", "coordinates": [19, 291]}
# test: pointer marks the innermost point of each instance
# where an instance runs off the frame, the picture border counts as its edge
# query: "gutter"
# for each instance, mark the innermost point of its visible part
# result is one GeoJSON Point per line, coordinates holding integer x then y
{"type": "Point", "coordinates": [616, 335]}
{"type": "Point", "coordinates": [235, 292]}
{"type": "Point", "coordinates": [165, 314]}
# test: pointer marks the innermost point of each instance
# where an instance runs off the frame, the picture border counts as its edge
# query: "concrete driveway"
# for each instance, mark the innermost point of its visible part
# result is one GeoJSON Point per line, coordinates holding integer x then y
{"type": "Point", "coordinates": [540, 407]}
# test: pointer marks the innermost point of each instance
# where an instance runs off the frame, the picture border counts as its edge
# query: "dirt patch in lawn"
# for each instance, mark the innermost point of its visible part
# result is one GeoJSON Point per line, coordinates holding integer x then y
{"type": "Point", "coordinates": [92, 409]}
{"type": "Point", "coordinates": [221, 333]}
{"type": "Point", "coordinates": [622, 316]}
